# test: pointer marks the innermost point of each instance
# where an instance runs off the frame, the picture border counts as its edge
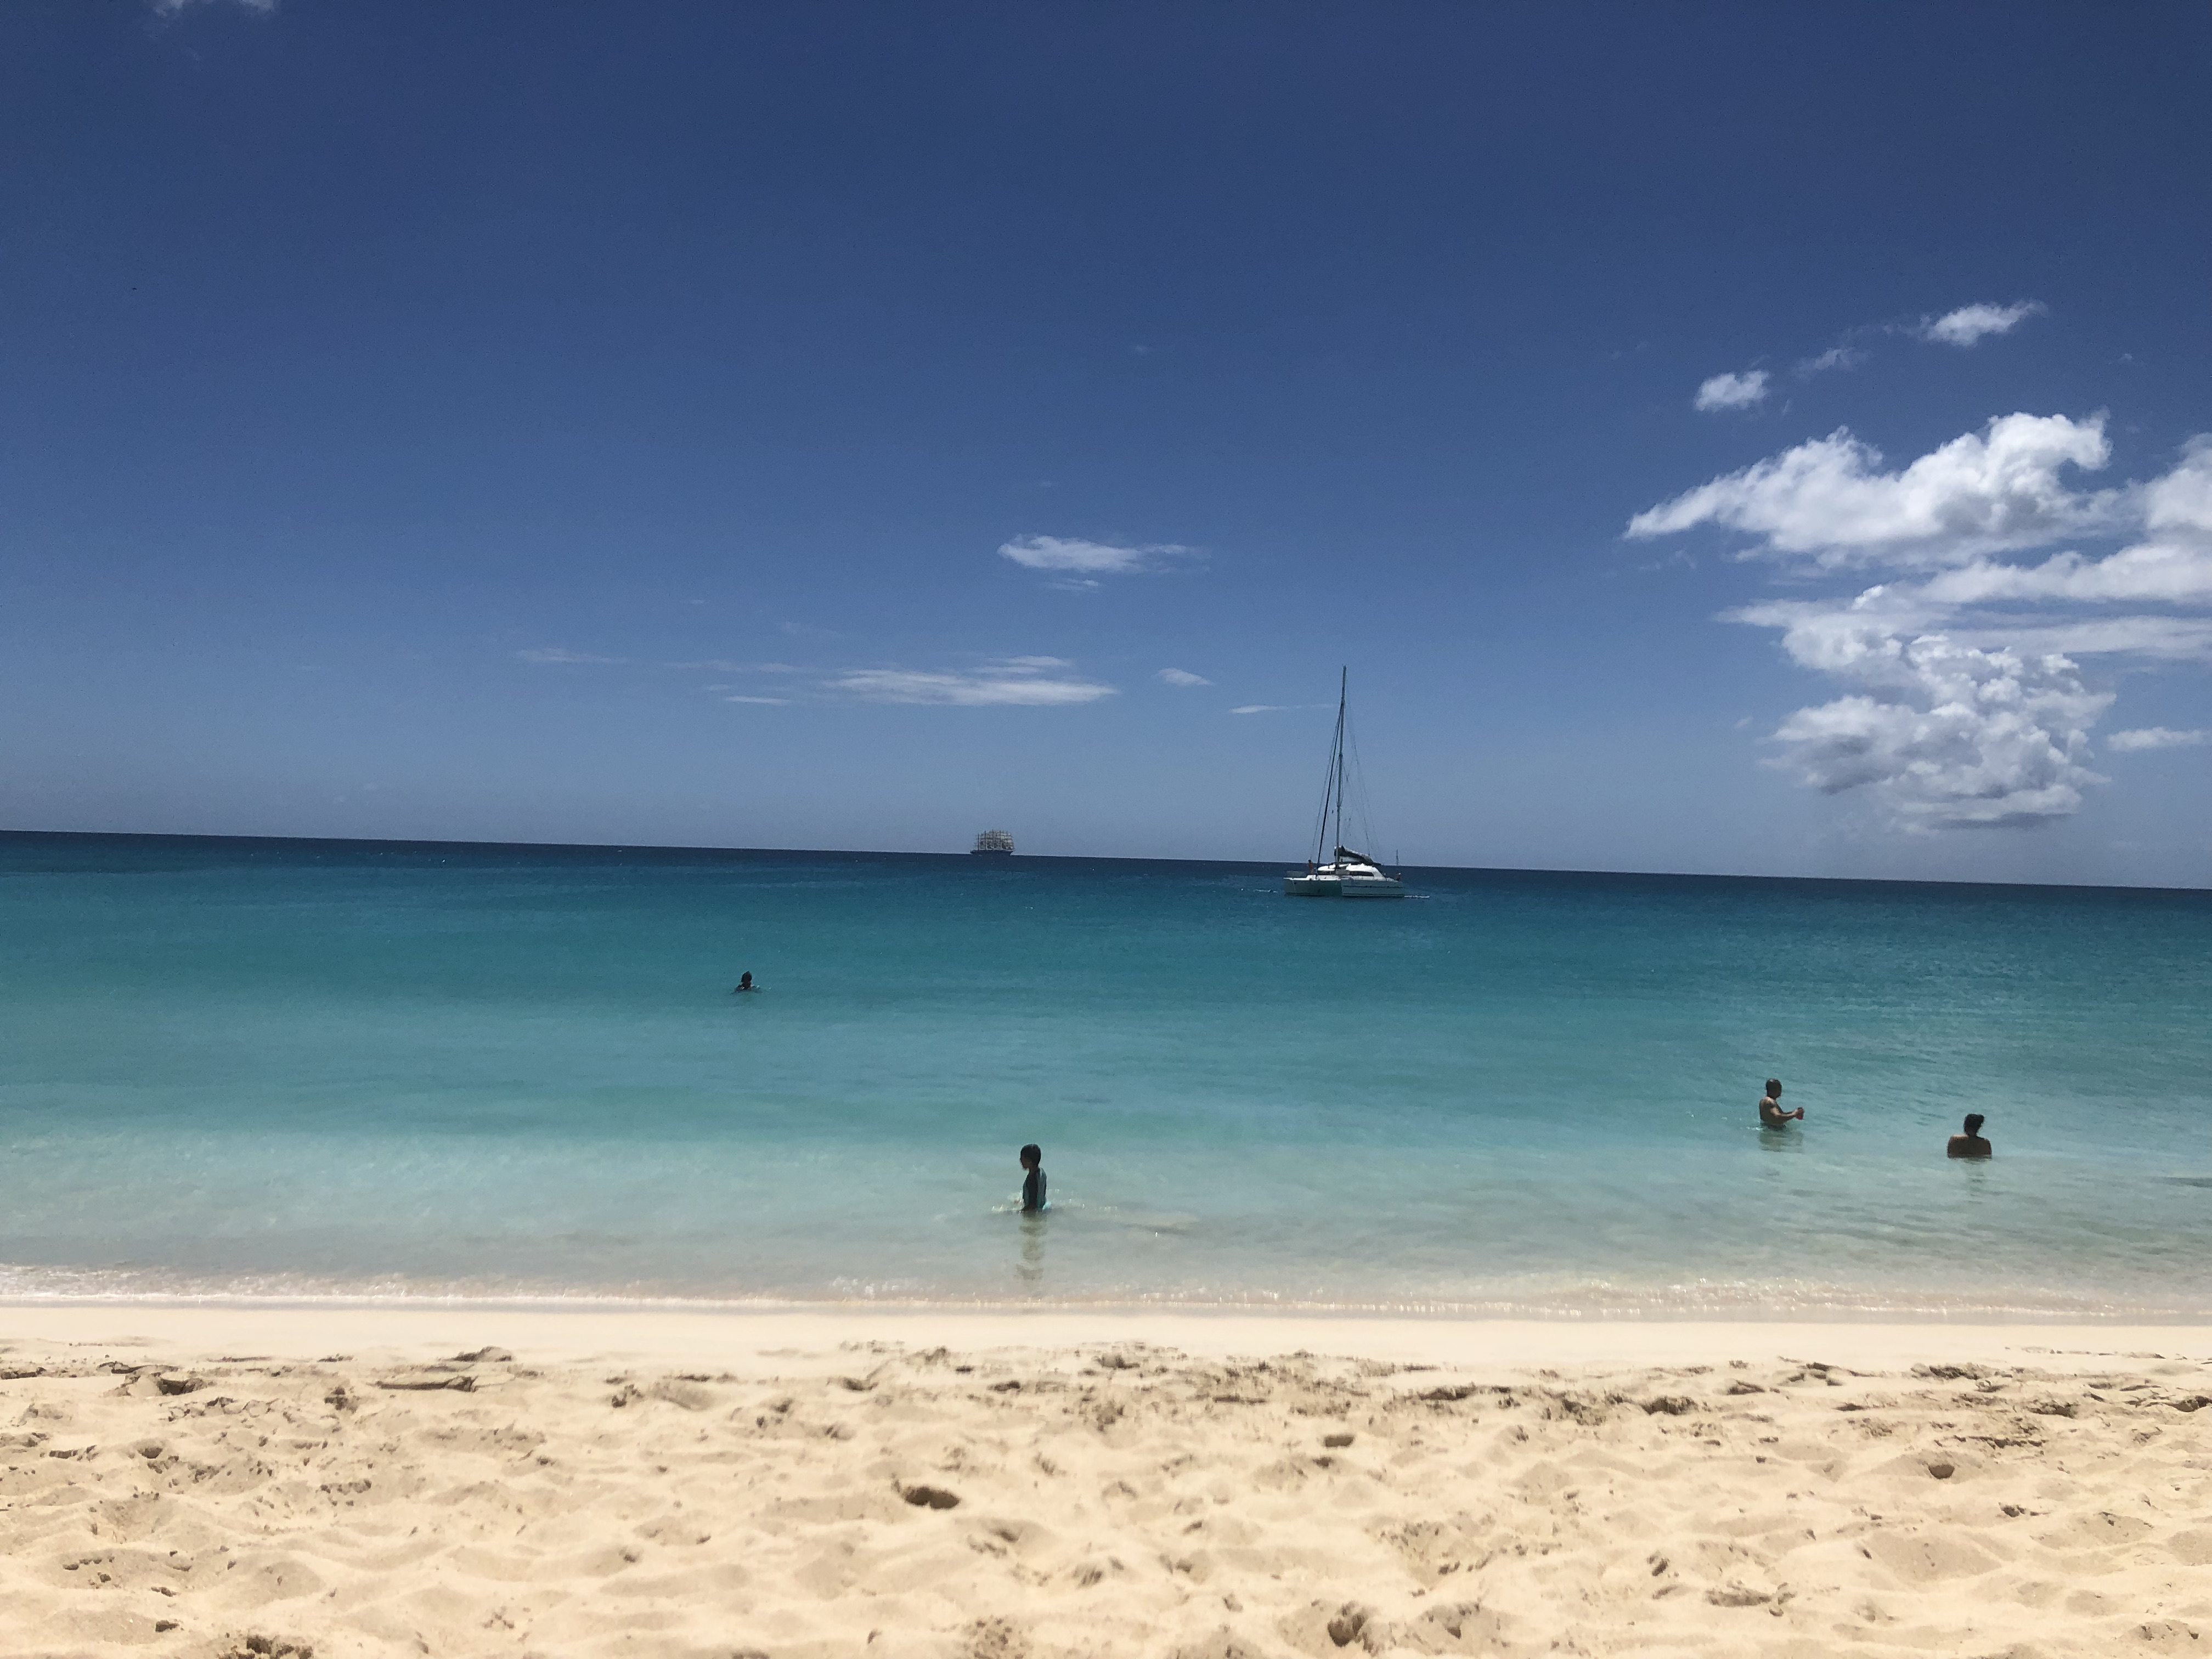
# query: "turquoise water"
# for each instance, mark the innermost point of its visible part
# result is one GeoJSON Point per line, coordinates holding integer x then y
{"type": "Point", "coordinates": [307, 1067]}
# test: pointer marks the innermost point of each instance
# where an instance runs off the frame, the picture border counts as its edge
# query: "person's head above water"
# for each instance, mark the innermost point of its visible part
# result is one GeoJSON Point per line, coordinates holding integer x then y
{"type": "Point", "coordinates": [745, 979]}
{"type": "Point", "coordinates": [1773, 1088]}
{"type": "Point", "coordinates": [1974, 1121]}
{"type": "Point", "coordinates": [1031, 1156]}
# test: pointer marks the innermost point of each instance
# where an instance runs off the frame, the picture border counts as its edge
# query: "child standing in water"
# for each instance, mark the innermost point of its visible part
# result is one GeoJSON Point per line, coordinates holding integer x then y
{"type": "Point", "coordinates": [1033, 1183]}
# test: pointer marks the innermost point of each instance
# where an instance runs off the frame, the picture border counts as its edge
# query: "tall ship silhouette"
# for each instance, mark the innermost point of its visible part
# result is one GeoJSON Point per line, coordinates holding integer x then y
{"type": "Point", "coordinates": [993, 844]}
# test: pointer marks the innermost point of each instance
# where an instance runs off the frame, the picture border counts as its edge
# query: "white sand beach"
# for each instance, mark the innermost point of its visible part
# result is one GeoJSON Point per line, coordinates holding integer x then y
{"type": "Point", "coordinates": [261, 1480]}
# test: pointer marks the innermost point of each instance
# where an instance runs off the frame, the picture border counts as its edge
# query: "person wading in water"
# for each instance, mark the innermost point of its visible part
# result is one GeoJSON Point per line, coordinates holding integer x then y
{"type": "Point", "coordinates": [1770, 1115]}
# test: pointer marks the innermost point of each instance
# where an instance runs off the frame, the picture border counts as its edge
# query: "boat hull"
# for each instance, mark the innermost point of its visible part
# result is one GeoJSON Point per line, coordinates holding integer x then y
{"type": "Point", "coordinates": [1352, 887]}
{"type": "Point", "coordinates": [1389, 887]}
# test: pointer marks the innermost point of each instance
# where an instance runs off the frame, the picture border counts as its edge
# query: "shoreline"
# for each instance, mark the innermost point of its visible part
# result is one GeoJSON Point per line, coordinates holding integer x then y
{"type": "Point", "coordinates": [1536, 1315]}
{"type": "Point", "coordinates": [751, 1337]}
{"type": "Point", "coordinates": [1901, 1310]}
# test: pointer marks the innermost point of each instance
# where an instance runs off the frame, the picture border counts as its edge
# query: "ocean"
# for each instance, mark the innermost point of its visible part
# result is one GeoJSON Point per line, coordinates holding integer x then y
{"type": "Point", "coordinates": [312, 1068]}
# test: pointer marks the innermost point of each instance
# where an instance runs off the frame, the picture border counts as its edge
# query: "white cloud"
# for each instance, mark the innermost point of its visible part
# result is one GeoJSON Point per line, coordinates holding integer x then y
{"type": "Point", "coordinates": [1082, 558]}
{"type": "Point", "coordinates": [775, 701]}
{"type": "Point", "coordinates": [1948, 735]}
{"type": "Point", "coordinates": [2180, 503]}
{"type": "Point", "coordinates": [1034, 681]}
{"type": "Point", "coordinates": [1965, 702]}
{"type": "Point", "coordinates": [2152, 639]}
{"type": "Point", "coordinates": [1980, 492]}
{"type": "Point", "coordinates": [172, 7]}
{"type": "Point", "coordinates": [1969, 324]}
{"type": "Point", "coordinates": [2174, 566]}
{"type": "Point", "coordinates": [2155, 737]}
{"type": "Point", "coordinates": [1260, 708]}
{"type": "Point", "coordinates": [1182, 677]}
{"type": "Point", "coordinates": [560, 653]}
{"type": "Point", "coordinates": [1835, 357]}
{"type": "Point", "coordinates": [2161, 574]}
{"type": "Point", "coordinates": [1732, 391]}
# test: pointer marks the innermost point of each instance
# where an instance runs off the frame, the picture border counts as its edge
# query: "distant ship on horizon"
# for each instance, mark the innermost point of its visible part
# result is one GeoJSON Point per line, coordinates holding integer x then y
{"type": "Point", "coordinates": [993, 844]}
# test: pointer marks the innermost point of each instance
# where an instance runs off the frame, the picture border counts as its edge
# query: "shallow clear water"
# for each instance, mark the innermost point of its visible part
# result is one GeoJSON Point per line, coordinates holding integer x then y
{"type": "Point", "coordinates": [302, 1067]}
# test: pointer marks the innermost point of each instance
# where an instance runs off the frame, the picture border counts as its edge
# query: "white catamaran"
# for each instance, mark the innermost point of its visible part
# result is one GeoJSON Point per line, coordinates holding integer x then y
{"type": "Point", "coordinates": [1347, 874]}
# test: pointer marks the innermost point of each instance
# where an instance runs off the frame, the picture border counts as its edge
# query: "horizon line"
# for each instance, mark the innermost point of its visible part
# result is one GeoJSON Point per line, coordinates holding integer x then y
{"type": "Point", "coordinates": [1064, 858]}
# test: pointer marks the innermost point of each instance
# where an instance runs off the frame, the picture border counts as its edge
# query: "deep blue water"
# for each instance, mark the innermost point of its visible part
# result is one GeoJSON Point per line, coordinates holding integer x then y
{"type": "Point", "coordinates": [308, 1067]}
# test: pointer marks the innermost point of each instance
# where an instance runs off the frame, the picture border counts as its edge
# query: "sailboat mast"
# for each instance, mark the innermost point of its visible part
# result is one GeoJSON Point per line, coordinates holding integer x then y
{"type": "Point", "coordinates": [1343, 681]}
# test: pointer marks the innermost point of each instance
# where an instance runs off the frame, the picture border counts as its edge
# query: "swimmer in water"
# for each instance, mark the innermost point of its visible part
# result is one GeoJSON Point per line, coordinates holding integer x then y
{"type": "Point", "coordinates": [1033, 1183]}
{"type": "Point", "coordinates": [744, 983]}
{"type": "Point", "coordinates": [1970, 1143]}
{"type": "Point", "coordinates": [1770, 1115]}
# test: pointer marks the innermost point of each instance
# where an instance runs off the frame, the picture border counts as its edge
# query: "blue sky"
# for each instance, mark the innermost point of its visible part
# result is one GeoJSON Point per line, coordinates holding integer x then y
{"type": "Point", "coordinates": [854, 425]}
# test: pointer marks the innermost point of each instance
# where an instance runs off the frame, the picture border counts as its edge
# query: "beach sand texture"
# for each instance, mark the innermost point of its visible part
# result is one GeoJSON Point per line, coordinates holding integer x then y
{"type": "Point", "coordinates": [1120, 1499]}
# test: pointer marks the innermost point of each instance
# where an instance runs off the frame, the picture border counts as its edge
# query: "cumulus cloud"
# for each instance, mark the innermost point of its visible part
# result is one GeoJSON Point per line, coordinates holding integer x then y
{"type": "Point", "coordinates": [1980, 492]}
{"type": "Point", "coordinates": [2155, 737]}
{"type": "Point", "coordinates": [1732, 391]}
{"type": "Point", "coordinates": [1182, 677]}
{"type": "Point", "coordinates": [1033, 682]}
{"type": "Point", "coordinates": [1965, 702]}
{"type": "Point", "coordinates": [2171, 565]}
{"type": "Point", "coordinates": [1947, 735]}
{"type": "Point", "coordinates": [1969, 324]}
{"type": "Point", "coordinates": [1072, 557]}
{"type": "Point", "coordinates": [560, 653]}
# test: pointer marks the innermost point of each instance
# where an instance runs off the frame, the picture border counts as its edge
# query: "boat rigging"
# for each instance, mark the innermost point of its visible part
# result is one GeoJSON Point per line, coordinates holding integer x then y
{"type": "Point", "coordinates": [1345, 873]}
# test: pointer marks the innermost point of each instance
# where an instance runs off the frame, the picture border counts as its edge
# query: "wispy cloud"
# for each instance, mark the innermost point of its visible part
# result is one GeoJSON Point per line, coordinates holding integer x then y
{"type": "Point", "coordinates": [172, 8]}
{"type": "Point", "coordinates": [1262, 708]}
{"type": "Point", "coordinates": [1969, 325]}
{"type": "Point", "coordinates": [777, 702]}
{"type": "Point", "coordinates": [1072, 557]}
{"type": "Point", "coordinates": [1732, 391]}
{"type": "Point", "coordinates": [1964, 703]}
{"type": "Point", "coordinates": [2147, 638]}
{"type": "Point", "coordinates": [1182, 677]}
{"type": "Point", "coordinates": [1031, 682]}
{"type": "Point", "coordinates": [2155, 737]}
{"type": "Point", "coordinates": [561, 653]}
{"type": "Point", "coordinates": [1834, 358]}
